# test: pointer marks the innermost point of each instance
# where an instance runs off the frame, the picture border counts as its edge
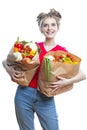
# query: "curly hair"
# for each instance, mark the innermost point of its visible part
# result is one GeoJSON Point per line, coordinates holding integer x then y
{"type": "Point", "coordinates": [53, 14]}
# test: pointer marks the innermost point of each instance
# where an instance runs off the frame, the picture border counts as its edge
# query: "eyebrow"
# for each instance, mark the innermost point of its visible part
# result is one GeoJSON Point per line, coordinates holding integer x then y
{"type": "Point", "coordinates": [48, 24]}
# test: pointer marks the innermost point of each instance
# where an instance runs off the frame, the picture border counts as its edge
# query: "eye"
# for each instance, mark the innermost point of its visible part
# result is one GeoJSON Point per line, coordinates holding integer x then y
{"type": "Point", "coordinates": [45, 25]}
{"type": "Point", "coordinates": [53, 24]}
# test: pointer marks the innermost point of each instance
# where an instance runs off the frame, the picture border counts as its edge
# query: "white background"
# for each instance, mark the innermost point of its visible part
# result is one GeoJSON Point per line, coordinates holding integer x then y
{"type": "Point", "coordinates": [18, 18]}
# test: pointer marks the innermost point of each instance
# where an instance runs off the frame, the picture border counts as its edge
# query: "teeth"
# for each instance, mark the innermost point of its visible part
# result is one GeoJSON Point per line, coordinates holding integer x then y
{"type": "Point", "coordinates": [49, 32]}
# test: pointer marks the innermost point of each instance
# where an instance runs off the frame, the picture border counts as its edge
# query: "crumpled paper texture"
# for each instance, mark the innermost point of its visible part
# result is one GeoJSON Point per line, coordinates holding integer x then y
{"type": "Point", "coordinates": [28, 69]}
{"type": "Point", "coordinates": [57, 69]}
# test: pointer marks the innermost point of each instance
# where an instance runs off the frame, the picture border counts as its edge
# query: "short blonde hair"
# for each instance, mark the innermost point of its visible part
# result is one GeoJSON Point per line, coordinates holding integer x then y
{"type": "Point", "coordinates": [53, 14]}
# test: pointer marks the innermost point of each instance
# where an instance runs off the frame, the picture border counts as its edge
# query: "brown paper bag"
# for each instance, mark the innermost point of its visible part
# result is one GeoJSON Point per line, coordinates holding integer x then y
{"type": "Point", "coordinates": [57, 69]}
{"type": "Point", "coordinates": [28, 69]}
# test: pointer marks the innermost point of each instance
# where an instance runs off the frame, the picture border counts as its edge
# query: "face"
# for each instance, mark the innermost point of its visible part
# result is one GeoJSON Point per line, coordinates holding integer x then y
{"type": "Point", "coordinates": [49, 27]}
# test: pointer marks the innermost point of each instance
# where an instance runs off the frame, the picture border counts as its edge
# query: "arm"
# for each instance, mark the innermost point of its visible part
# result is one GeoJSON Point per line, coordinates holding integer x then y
{"type": "Point", "coordinates": [14, 74]}
{"type": "Point", "coordinates": [63, 81]}
{"type": "Point", "coordinates": [7, 68]}
{"type": "Point", "coordinates": [77, 78]}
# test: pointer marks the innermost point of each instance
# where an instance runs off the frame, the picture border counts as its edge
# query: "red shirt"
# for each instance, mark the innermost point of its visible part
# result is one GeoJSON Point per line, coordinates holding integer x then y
{"type": "Point", "coordinates": [33, 82]}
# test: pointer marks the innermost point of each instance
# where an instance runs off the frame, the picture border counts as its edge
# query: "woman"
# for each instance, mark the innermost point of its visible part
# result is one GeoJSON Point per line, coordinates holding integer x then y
{"type": "Point", "coordinates": [27, 99]}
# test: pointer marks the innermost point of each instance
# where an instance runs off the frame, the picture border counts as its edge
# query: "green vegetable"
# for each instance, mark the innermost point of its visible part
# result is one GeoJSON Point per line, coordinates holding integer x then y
{"type": "Point", "coordinates": [67, 59]}
{"type": "Point", "coordinates": [47, 65]}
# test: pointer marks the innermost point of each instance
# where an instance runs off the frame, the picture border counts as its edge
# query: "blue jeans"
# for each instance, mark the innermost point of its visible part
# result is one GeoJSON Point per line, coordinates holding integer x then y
{"type": "Point", "coordinates": [28, 101]}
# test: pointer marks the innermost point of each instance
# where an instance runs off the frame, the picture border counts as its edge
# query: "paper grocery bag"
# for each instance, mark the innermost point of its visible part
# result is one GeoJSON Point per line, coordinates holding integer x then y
{"type": "Point", "coordinates": [28, 70]}
{"type": "Point", "coordinates": [66, 70]}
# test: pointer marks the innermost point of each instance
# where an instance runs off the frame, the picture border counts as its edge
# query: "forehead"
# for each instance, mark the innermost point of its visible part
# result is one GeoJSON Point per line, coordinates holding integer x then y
{"type": "Point", "coordinates": [49, 20]}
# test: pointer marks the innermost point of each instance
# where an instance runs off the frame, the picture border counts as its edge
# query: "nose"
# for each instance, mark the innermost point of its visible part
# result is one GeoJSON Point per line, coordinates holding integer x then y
{"type": "Point", "coordinates": [49, 27]}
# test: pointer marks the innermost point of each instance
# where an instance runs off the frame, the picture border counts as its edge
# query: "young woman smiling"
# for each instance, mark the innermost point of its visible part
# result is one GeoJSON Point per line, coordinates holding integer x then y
{"type": "Point", "coordinates": [29, 100]}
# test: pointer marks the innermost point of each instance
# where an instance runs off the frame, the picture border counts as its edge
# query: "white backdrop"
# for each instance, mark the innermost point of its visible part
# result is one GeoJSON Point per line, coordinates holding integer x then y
{"type": "Point", "coordinates": [18, 18]}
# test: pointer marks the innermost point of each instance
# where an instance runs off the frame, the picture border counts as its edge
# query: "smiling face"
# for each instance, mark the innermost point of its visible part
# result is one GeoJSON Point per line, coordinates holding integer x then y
{"type": "Point", "coordinates": [49, 27]}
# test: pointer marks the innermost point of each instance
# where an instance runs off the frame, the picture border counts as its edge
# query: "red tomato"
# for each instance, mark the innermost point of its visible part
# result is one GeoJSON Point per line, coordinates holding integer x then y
{"type": "Point", "coordinates": [61, 56]}
{"type": "Point", "coordinates": [31, 56]}
{"type": "Point", "coordinates": [19, 45]}
{"type": "Point", "coordinates": [68, 55]}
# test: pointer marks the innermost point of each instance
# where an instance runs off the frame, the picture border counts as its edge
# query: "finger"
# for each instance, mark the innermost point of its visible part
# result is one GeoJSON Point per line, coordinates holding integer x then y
{"type": "Point", "coordinates": [59, 77]}
{"type": "Point", "coordinates": [14, 79]}
{"type": "Point", "coordinates": [52, 86]}
{"type": "Point", "coordinates": [18, 75]}
{"type": "Point", "coordinates": [18, 72]}
{"type": "Point", "coordinates": [55, 89]}
{"type": "Point", "coordinates": [54, 83]}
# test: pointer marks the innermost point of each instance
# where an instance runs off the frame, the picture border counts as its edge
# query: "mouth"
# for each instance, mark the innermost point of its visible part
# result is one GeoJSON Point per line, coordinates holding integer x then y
{"type": "Point", "coordinates": [50, 32]}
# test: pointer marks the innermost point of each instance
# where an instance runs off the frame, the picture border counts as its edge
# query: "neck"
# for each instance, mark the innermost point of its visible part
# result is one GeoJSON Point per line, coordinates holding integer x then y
{"type": "Point", "coordinates": [50, 42]}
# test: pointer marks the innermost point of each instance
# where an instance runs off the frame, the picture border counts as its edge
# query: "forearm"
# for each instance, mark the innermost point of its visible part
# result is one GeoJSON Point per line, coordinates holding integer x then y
{"type": "Point", "coordinates": [5, 65]}
{"type": "Point", "coordinates": [77, 78]}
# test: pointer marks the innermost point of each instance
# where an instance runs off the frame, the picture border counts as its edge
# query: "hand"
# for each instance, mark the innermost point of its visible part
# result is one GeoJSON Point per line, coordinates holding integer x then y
{"type": "Point", "coordinates": [60, 83]}
{"type": "Point", "coordinates": [64, 82]}
{"type": "Point", "coordinates": [14, 74]}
